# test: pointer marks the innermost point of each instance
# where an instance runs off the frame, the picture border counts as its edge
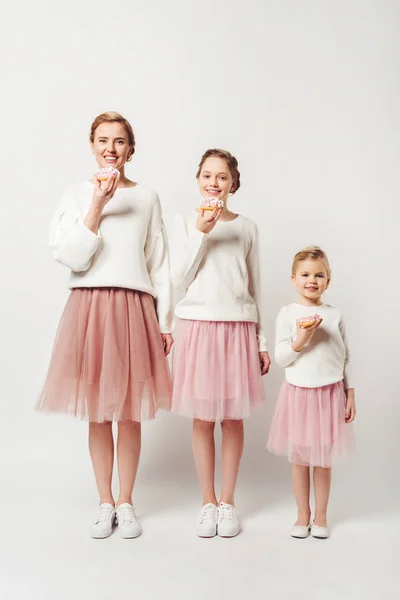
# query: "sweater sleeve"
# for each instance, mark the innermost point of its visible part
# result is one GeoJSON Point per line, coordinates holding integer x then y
{"type": "Point", "coordinates": [253, 269]}
{"type": "Point", "coordinates": [71, 242]}
{"type": "Point", "coordinates": [157, 262]}
{"type": "Point", "coordinates": [188, 247]}
{"type": "Point", "coordinates": [284, 353]}
{"type": "Point", "coordinates": [348, 372]}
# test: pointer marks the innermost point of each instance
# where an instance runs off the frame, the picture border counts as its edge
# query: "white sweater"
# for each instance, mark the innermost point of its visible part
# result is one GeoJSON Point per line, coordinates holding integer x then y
{"type": "Point", "coordinates": [325, 359]}
{"type": "Point", "coordinates": [130, 250]}
{"type": "Point", "coordinates": [219, 271]}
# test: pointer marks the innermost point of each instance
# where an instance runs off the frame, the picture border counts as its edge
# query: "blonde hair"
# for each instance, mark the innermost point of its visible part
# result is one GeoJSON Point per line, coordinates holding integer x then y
{"type": "Point", "coordinates": [231, 161]}
{"type": "Point", "coordinates": [311, 253]}
{"type": "Point", "coordinates": [114, 117]}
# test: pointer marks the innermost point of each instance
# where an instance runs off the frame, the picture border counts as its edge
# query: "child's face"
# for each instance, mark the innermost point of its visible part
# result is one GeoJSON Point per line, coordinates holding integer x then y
{"type": "Point", "coordinates": [215, 179]}
{"type": "Point", "coordinates": [311, 279]}
{"type": "Point", "coordinates": [110, 145]}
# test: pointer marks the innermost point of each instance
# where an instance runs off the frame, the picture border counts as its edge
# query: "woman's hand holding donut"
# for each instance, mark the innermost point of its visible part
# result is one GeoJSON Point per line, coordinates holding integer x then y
{"type": "Point", "coordinates": [103, 192]}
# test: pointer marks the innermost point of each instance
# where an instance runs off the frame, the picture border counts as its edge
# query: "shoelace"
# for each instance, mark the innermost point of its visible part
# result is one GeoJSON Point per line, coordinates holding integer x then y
{"type": "Point", "coordinates": [104, 514]}
{"type": "Point", "coordinates": [227, 512]}
{"type": "Point", "coordinates": [208, 512]}
{"type": "Point", "coordinates": [126, 513]}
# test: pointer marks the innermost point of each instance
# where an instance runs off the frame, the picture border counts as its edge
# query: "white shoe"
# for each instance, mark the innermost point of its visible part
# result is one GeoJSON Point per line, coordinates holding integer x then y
{"type": "Point", "coordinates": [128, 524]}
{"type": "Point", "coordinates": [207, 521]}
{"type": "Point", "coordinates": [321, 533]}
{"type": "Point", "coordinates": [102, 527]}
{"type": "Point", "coordinates": [300, 531]}
{"type": "Point", "coordinates": [228, 525]}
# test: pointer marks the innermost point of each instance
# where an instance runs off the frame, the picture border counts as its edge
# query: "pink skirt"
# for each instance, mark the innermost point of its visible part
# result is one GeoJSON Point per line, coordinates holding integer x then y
{"type": "Point", "coordinates": [108, 361]}
{"type": "Point", "coordinates": [309, 425]}
{"type": "Point", "coordinates": [216, 370]}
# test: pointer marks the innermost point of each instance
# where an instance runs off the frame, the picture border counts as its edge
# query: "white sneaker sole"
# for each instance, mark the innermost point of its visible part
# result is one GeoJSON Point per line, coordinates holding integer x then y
{"type": "Point", "coordinates": [101, 536]}
{"type": "Point", "coordinates": [228, 534]}
{"type": "Point", "coordinates": [206, 533]}
{"type": "Point", "coordinates": [130, 536]}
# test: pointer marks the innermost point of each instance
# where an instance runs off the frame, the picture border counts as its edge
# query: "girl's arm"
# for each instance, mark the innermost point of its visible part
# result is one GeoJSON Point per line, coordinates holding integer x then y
{"type": "Point", "coordinates": [73, 244]}
{"type": "Point", "coordinates": [284, 353]}
{"type": "Point", "coordinates": [188, 247]}
{"type": "Point", "coordinates": [157, 261]}
{"type": "Point", "coordinates": [348, 373]}
{"type": "Point", "coordinates": [253, 269]}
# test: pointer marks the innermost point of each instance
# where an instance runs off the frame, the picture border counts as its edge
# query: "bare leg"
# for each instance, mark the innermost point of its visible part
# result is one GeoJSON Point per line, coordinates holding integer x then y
{"type": "Point", "coordinates": [232, 449]}
{"type": "Point", "coordinates": [322, 486]}
{"type": "Point", "coordinates": [301, 487]}
{"type": "Point", "coordinates": [128, 454]}
{"type": "Point", "coordinates": [204, 457]}
{"type": "Point", "coordinates": [101, 447]}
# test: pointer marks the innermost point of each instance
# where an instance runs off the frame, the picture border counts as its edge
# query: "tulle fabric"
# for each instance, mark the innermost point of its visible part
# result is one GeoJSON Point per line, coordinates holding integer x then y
{"type": "Point", "coordinates": [309, 425]}
{"type": "Point", "coordinates": [108, 361]}
{"type": "Point", "coordinates": [216, 370]}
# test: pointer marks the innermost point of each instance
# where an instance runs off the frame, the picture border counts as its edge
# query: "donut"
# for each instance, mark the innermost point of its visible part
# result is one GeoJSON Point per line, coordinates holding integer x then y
{"type": "Point", "coordinates": [105, 172]}
{"type": "Point", "coordinates": [211, 204]}
{"type": "Point", "coordinates": [308, 321]}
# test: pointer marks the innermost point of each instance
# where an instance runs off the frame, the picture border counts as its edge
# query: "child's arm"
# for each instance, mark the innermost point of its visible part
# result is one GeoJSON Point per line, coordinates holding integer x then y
{"type": "Point", "coordinates": [348, 374]}
{"type": "Point", "coordinates": [72, 243]}
{"type": "Point", "coordinates": [253, 269]}
{"type": "Point", "coordinates": [284, 353]}
{"type": "Point", "coordinates": [188, 247]}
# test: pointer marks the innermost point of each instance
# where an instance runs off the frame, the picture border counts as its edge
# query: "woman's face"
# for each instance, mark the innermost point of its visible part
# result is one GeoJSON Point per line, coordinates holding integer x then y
{"type": "Point", "coordinates": [111, 146]}
{"type": "Point", "coordinates": [215, 179]}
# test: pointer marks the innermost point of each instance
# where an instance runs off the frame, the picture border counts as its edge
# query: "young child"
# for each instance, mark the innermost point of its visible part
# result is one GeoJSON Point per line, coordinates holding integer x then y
{"type": "Point", "coordinates": [221, 351]}
{"type": "Point", "coordinates": [316, 402]}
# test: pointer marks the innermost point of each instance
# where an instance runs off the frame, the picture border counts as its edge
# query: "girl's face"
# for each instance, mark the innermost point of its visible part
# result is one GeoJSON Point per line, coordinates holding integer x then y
{"type": "Point", "coordinates": [311, 280]}
{"type": "Point", "coordinates": [215, 179]}
{"type": "Point", "coordinates": [110, 146]}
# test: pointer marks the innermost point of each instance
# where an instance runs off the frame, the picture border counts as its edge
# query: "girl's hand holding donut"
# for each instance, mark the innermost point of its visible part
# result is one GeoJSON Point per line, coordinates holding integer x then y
{"type": "Point", "coordinates": [304, 335]}
{"type": "Point", "coordinates": [207, 219]}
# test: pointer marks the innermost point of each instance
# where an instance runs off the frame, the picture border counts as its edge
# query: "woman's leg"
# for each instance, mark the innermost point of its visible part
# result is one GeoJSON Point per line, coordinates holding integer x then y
{"type": "Point", "coordinates": [301, 487]}
{"type": "Point", "coordinates": [232, 449]}
{"type": "Point", "coordinates": [128, 454]}
{"type": "Point", "coordinates": [204, 457]}
{"type": "Point", "coordinates": [322, 486]}
{"type": "Point", "coordinates": [101, 447]}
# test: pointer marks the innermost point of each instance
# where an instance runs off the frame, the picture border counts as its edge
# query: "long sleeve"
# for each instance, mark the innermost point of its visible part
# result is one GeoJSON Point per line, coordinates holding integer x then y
{"type": "Point", "coordinates": [188, 246]}
{"type": "Point", "coordinates": [71, 242]}
{"type": "Point", "coordinates": [253, 268]}
{"type": "Point", "coordinates": [284, 353]}
{"type": "Point", "coordinates": [348, 371]}
{"type": "Point", "coordinates": [157, 261]}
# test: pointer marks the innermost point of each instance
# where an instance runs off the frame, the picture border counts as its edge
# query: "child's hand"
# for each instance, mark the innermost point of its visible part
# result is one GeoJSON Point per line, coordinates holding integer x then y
{"type": "Point", "coordinates": [265, 362]}
{"type": "Point", "coordinates": [207, 219]}
{"type": "Point", "coordinates": [350, 406]}
{"type": "Point", "coordinates": [167, 341]}
{"type": "Point", "coordinates": [304, 335]}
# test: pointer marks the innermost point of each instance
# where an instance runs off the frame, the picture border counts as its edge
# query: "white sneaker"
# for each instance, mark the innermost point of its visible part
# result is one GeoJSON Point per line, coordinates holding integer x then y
{"type": "Point", "coordinates": [207, 521]}
{"type": "Point", "coordinates": [228, 525]}
{"type": "Point", "coordinates": [300, 531]}
{"type": "Point", "coordinates": [102, 527]}
{"type": "Point", "coordinates": [128, 524]}
{"type": "Point", "coordinates": [321, 533]}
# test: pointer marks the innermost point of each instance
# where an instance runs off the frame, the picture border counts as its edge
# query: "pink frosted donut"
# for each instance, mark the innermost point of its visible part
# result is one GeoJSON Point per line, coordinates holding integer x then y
{"type": "Point", "coordinates": [308, 321]}
{"type": "Point", "coordinates": [211, 204]}
{"type": "Point", "coordinates": [105, 172]}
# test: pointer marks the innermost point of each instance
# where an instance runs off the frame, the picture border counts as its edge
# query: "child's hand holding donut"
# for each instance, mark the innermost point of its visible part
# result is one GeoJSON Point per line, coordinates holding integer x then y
{"type": "Point", "coordinates": [304, 334]}
{"type": "Point", "coordinates": [206, 219]}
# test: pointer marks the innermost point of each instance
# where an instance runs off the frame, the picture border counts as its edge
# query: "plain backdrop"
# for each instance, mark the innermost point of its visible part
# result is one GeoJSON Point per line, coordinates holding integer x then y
{"type": "Point", "coordinates": [306, 95]}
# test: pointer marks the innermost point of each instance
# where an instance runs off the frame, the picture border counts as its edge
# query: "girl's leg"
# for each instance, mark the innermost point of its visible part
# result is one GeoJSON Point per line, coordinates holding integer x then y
{"type": "Point", "coordinates": [204, 457]}
{"type": "Point", "coordinates": [232, 449]}
{"type": "Point", "coordinates": [128, 454]}
{"type": "Point", "coordinates": [101, 447]}
{"type": "Point", "coordinates": [322, 486]}
{"type": "Point", "coordinates": [301, 487]}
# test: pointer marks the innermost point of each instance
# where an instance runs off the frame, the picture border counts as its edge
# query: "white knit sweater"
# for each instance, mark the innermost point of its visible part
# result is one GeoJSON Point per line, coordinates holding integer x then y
{"type": "Point", "coordinates": [219, 272]}
{"type": "Point", "coordinates": [325, 359]}
{"type": "Point", "coordinates": [130, 250]}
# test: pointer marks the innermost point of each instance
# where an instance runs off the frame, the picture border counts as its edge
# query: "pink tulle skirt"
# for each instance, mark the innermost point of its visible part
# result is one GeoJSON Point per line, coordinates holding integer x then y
{"type": "Point", "coordinates": [216, 370]}
{"type": "Point", "coordinates": [309, 425]}
{"type": "Point", "coordinates": [108, 360]}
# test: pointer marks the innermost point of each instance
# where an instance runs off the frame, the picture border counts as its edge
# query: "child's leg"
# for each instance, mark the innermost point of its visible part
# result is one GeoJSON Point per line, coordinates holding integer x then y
{"type": "Point", "coordinates": [232, 449]}
{"type": "Point", "coordinates": [128, 454]}
{"type": "Point", "coordinates": [204, 457]}
{"type": "Point", "coordinates": [101, 447]}
{"type": "Point", "coordinates": [301, 487]}
{"type": "Point", "coordinates": [322, 486]}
